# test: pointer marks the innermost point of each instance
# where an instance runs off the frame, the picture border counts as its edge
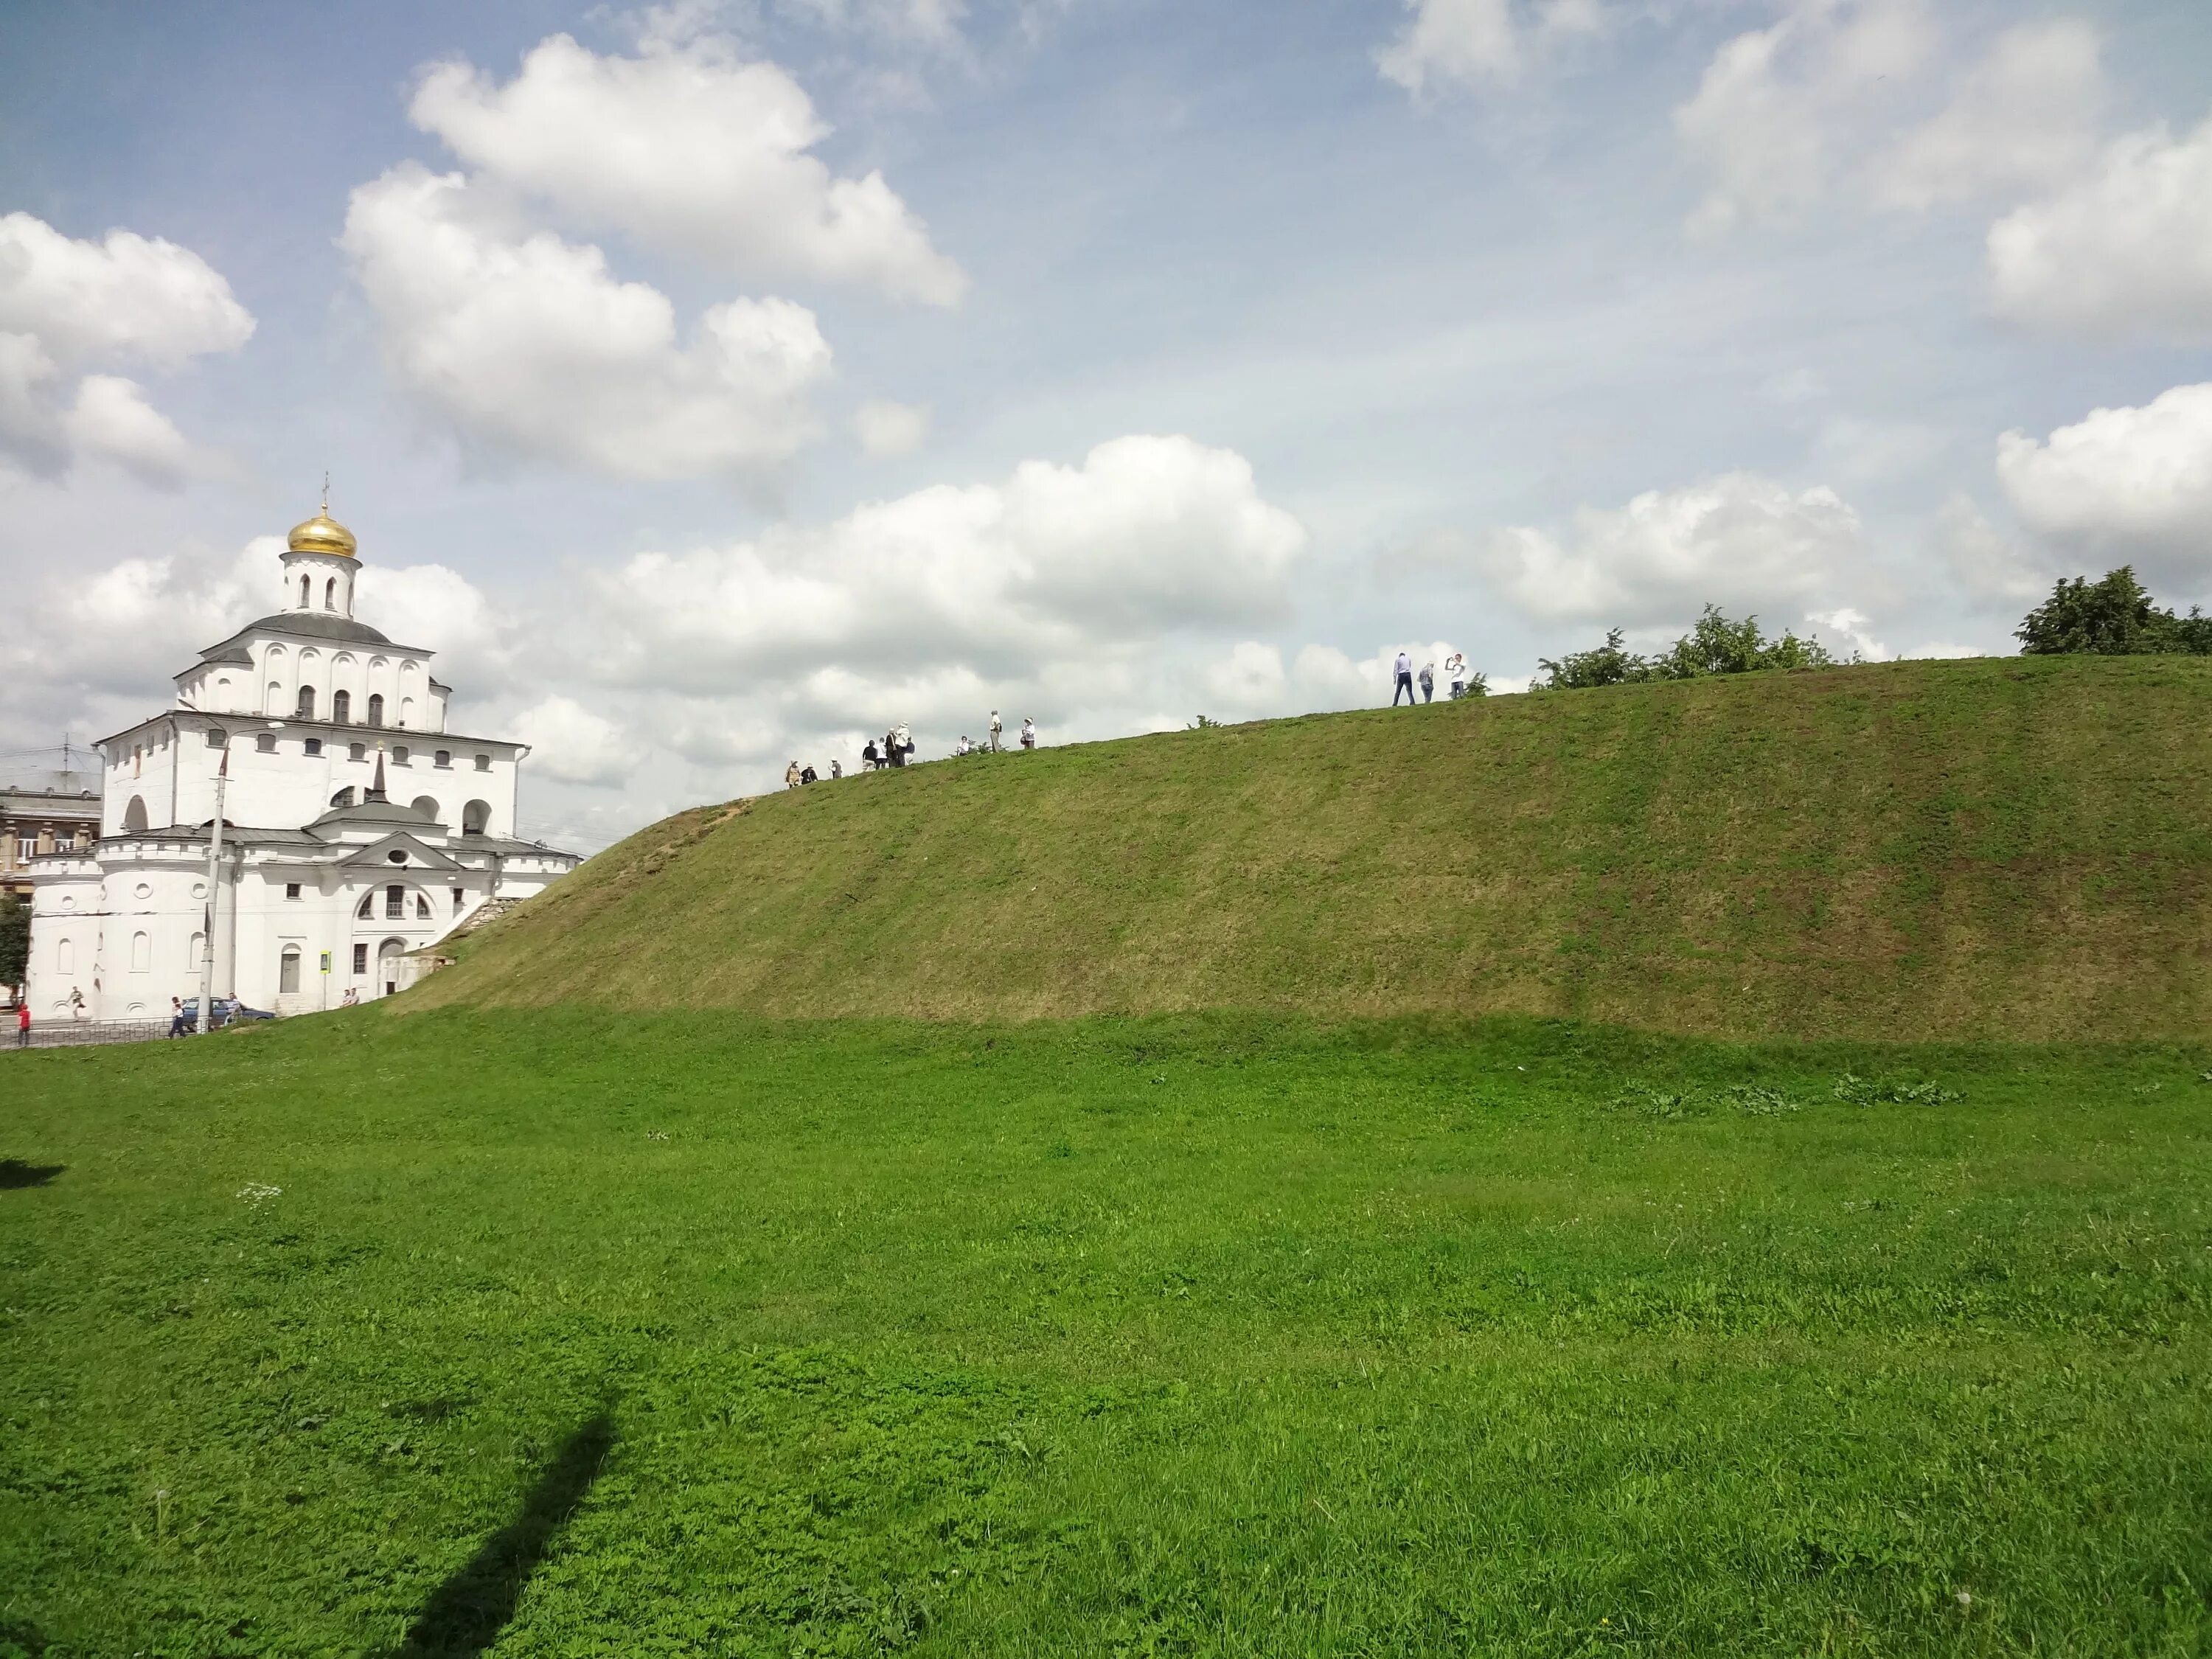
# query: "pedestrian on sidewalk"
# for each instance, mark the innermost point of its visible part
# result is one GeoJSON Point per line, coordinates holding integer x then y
{"type": "Point", "coordinates": [23, 1024]}
{"type": "Point", "coordinates": [1405, 683]}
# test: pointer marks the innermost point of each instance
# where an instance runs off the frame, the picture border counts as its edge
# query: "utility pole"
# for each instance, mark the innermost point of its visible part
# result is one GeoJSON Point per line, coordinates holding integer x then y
{"type": "Point", "coordinates": [215, 878]}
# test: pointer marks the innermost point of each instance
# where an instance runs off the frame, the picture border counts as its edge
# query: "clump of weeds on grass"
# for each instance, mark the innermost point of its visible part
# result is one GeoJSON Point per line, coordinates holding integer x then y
{"type": "Point", "coordinates": [1856, 1091]}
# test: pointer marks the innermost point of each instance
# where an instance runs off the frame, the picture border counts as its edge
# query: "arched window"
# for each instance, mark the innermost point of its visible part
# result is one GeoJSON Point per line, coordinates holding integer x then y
{"type": "Point", "coordinates": [475, 816]}
{"type": "Point", "coordinates": [422, 908]}
{"type": "Point", "coordinates": [426, 805]}
{"type": "Point", "coordinates": [134, 816]}
{"type": "Point", "coordinates": [407, 711]}
{"type": "Point", "coordinates": [303, 592]}
{"type": "Point", "coordinates": [200, 949]}
{"type": "Point", "coordinates": [142, 952]}
{"type": "Point", "coordinates": [276, 703]}
{"type": "Point", "coordinates": [376, 709]}
{"type": "Point", "coordinates": [64, 956]}
{"type": "Point", "coordinates": [343, 798]}
{"type": "Point", "coordinates": [222, 694]}
{"type": "Point", "coordinates": [288, 969]}
{"type": "Point", "coordinates": [306, 708]}
{"type": "Point", "coordinates": [342, 707]}
{"type": "Point", "coordinates": [367, 906]}
{"type": "Point", "coordinates": [331, 594]}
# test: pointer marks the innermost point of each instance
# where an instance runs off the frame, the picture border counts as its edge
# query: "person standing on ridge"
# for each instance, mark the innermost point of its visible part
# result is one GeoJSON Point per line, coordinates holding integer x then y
{"type": "Point", "coordinates": [1405, 684]}
{"type": "Point", "coordinates": [1029, 733]}
{"type": "Point", "coordinates": [1428, 682]}
{"type": "Point", "coordinates": [1455, 675]}
{"type": "Point", "coordinates": [790, 776]}
{"type": "Point", "coordinates": [997, 726]}
{"type": "Point", "coordinates": [905, 741]}
{"type": "Point", "coordinates": [837, 769]}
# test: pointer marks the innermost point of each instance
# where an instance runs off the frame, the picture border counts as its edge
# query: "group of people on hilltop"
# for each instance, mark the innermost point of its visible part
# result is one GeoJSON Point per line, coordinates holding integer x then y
{"type": "Point", "coordinates": [1455, 676]}
{"type": "Point", "coordinates": [896, 748]}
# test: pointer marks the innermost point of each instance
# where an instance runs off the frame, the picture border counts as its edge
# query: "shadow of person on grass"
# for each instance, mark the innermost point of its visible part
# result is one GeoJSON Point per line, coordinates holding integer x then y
{"type": "Point", "coordinates": [15, 1173]}
{"type": "Point", "coordinates": [470, 1609]}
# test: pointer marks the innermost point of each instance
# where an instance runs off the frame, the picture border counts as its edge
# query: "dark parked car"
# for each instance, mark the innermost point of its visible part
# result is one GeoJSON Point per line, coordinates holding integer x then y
{"type": "Point", "coordinates": [228, 1011]}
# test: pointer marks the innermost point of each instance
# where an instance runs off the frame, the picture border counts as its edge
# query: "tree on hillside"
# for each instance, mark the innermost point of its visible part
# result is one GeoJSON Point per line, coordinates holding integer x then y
{"type": "Point", "coordinates": [15, 940]}
{"type": "Point", "coordinates": [1713, 646]}
{"type": "Point", "coordinates": [2114, 617]}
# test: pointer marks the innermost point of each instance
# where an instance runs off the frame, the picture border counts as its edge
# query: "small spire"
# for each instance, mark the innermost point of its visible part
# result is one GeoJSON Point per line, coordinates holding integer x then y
{"type": "Point", "coordinates": [376, 789]}
{"type": "Point", "coordinates": [327, 492]}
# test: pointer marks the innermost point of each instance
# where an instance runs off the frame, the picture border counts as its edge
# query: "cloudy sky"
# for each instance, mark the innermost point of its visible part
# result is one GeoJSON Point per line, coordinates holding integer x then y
{"type": "Point", "coordinates": [712, 384]}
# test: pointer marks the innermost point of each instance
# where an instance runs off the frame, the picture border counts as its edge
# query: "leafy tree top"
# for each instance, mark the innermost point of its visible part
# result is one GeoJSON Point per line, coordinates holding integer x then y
{"type": "Point", "coordinates": [1713, 646]}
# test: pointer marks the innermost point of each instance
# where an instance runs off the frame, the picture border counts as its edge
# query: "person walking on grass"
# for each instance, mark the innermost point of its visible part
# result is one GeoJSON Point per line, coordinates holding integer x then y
{"type": "Point", "coordinates": [1404, 687]}
{"type": "Point", "coordinates": [23, 1024]}
{"type": "Point", "coordinates": [176, 1027]}
{"type": "Point", "coordinates": [1428, 682]}
{"type": "Point", "coordinates": [1029, 733]}
{"type": "Point", "coordinates": [997, 726]}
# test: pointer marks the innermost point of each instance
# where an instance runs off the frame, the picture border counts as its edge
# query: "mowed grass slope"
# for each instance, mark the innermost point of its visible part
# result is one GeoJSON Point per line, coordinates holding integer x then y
{"type": "Point", "coordinates": [556, 1334]}
{"type": "Point", "coordinates": [1993, 848]}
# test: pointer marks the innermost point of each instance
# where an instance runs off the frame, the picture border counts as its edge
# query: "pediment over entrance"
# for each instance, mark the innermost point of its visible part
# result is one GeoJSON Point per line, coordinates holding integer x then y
{"type": "Point", "coordinates": [419, 855]}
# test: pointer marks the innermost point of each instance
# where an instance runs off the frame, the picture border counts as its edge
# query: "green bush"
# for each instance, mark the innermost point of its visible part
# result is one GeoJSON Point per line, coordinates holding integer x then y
{"type": "Point", "coordinates": [1713, 646]}
{"type": "Point", "coordinates": [2114, 617]}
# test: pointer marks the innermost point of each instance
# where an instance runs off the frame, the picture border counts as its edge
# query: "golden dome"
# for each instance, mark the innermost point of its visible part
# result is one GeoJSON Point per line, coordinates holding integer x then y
{"type": "Point", "coordinates": [322, 534]}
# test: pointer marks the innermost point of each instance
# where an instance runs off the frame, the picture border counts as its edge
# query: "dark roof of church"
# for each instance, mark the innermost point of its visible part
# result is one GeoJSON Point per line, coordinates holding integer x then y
{"type": "Point", "coordinates": [375, 811]}
{"type": "Point", "coordinates": [314, 624]}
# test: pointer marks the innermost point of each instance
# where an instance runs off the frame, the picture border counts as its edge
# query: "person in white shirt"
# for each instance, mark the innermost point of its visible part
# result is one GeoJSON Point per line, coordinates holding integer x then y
{"type": "Point", "coordinates": [905, 741]}
{"type": "Point", "coordinates": [837, 769]}
{"type": "Point", "coordinates": [997, 726]}
{"type": "Point", "coordinates": [1405, 686]}
{"type": "Point", "coordinates": [1455, 675]}
{"type": "Point", "coordinates": [1029, 733]}
{"type": "Point", "coordinates": [963, 746]}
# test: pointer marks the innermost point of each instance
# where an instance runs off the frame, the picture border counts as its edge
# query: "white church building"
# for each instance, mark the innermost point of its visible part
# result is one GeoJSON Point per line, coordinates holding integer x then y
{"type": "Point", "coordinates": [358, 830]}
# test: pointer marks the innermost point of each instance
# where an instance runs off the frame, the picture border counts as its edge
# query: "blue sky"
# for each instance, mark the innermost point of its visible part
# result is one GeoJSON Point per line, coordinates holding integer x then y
{"type": "Point", "coordinates": [1206, 356]}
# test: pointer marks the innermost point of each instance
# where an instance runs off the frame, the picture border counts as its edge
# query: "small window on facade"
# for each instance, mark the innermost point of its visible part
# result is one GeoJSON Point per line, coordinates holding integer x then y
{"type": "Point", "coordinates": [342, 707]}
{"type": "Point", "coordinates": [367, 906]}
{"type": "Point", "coordinates": [331, 594]}
{"type": "Point", "coordinates": [356, 752]}
{"type": "Point", "coordinates": [361, 958]}
{"type": "Point", "coordinates": [307, 705]}
{"type": "Point", "coordinates": [376, 709]}
{"type": "Point", "coordinates": [444, 757]}
{"type": "Point", "coordinates": [400, 756]}
{"type": "Point", "coordinates": [395, 903]}
{"type": "Point", "coordinates": [457, 899]}
{"type": "Point", "coordinates": [288, 971]}
{"type": "Point", "coordinates": [303, 592]}
{"type": "Point", "coordinates": [217, 736]}
{"type": "Point", "coordinates": [291, 889]}
{"type": "Point", "coordinates": [265, 743]}
{"type": "Point", "coordinates": [396, 856]}
{"type": "Point", "coordinates": [422, 907]}
{"type": "Point", "coordinates": [313, 746]}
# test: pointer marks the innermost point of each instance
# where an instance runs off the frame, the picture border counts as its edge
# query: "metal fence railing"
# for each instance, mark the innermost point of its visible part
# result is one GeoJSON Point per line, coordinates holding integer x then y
{"type": "Point", "coordinates": [81, 1033]}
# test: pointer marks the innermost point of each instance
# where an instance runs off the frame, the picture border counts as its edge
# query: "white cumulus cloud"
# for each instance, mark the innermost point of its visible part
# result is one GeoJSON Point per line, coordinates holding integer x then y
{"type": "Point", "coordinates": [69, 306]}
{"type": "Point", "coordinates": [2127, 250]}
{"type": "Point", "coordinates": [529, 343]}
{"type": "Point", "coordinates": [1740, 540]}
{"type": "Point", "coordinates": [1778, 109]}
{"type": "Point", "coordinates": [2133, 482]}
{"type": "Point", "coordinates": [887, 429]}
{"type": "Point", "coordinates": [1481, 42]}
{"type": "Point", "coordinates": [1148, 537]}
{"type": "Point", "coordinates": [570, 744]}
{"type": "Point", "coordinates": [2024, 116]}
{"type": "Point", "coordinates": [690, 148]}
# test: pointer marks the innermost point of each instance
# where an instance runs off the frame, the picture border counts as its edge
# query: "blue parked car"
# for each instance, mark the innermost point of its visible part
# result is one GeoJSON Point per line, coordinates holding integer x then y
{"type": "Point", "coordinates": [228, 1011]}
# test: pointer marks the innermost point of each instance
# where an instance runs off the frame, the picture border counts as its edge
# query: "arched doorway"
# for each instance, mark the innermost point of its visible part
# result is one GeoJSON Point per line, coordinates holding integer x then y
{"type": "Point", "coordinates": [426, 805]}
{"type": "Point", "coordinates": [134, 816]}
{"type": "Point", "coordinates": [474, 816]}
{"type": "Point", "coordinates": [390, 962]}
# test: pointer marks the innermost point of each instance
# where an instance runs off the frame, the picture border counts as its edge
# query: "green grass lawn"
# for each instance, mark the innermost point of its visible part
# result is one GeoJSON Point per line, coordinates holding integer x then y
{"type": "Point", "coordinates": [556, 1334]}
